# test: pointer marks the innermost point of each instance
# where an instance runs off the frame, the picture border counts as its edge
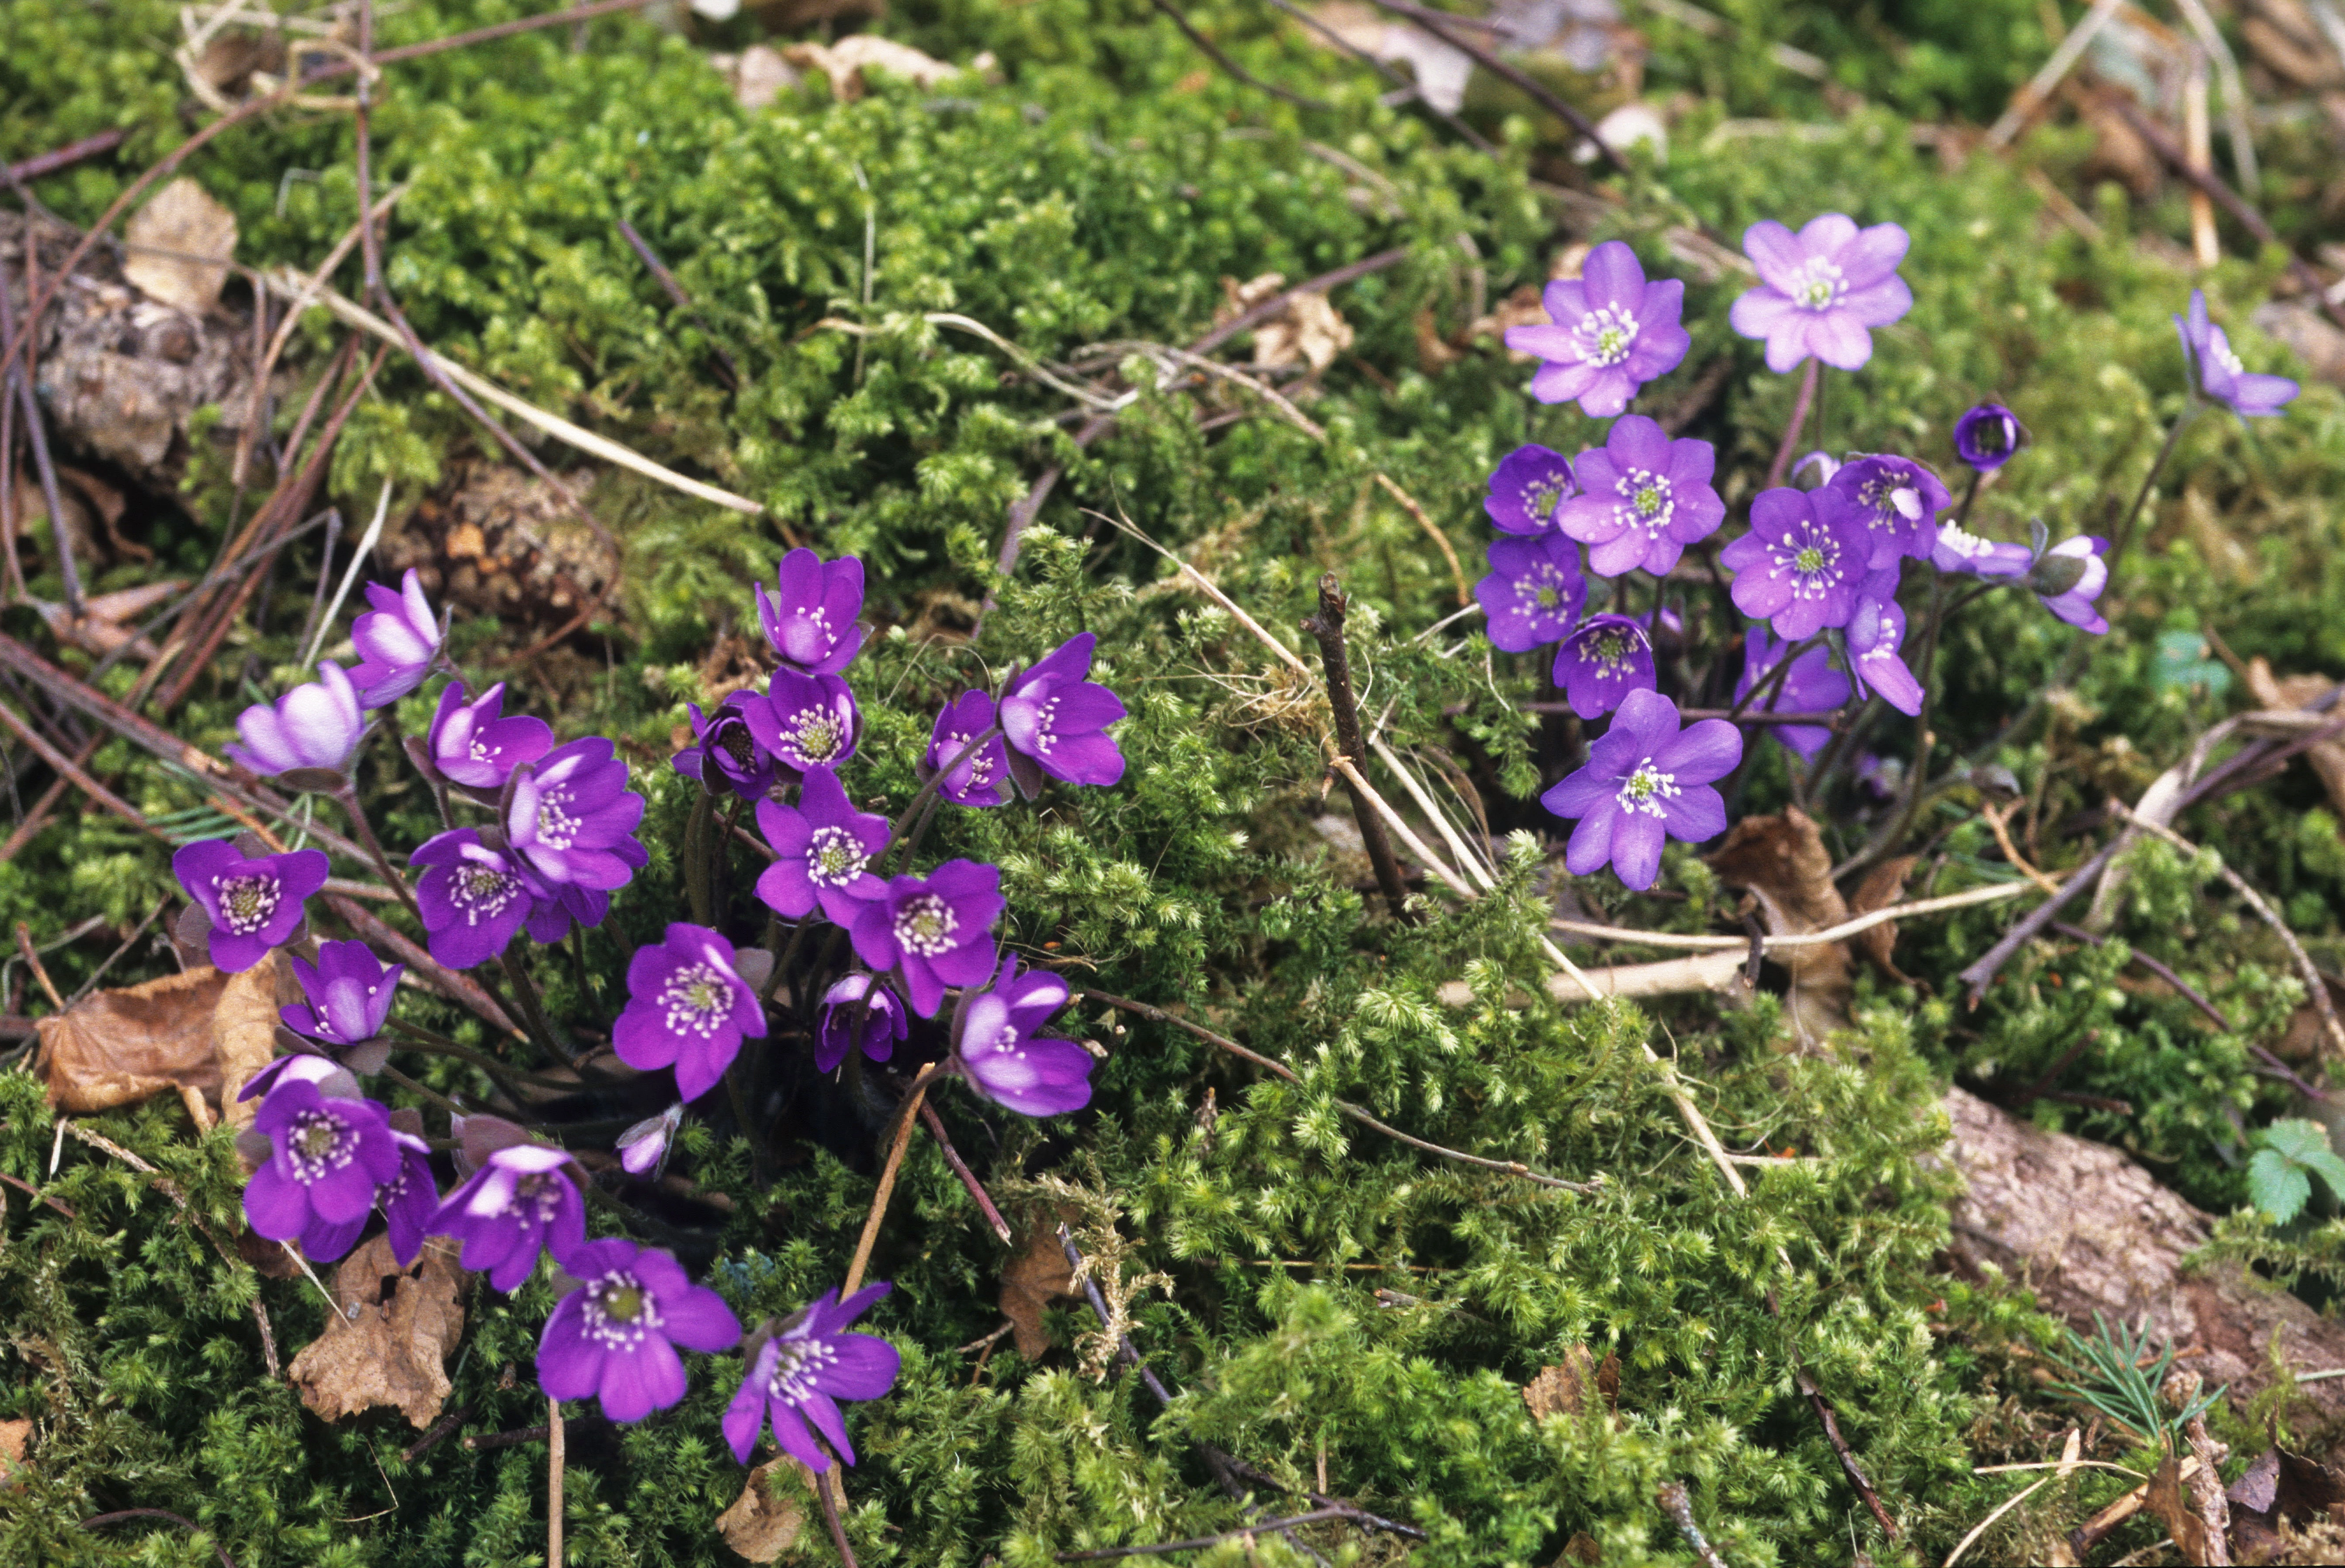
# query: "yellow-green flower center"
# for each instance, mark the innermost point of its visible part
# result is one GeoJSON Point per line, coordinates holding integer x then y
{"type": "Point", "coordinates": [1809, 560]}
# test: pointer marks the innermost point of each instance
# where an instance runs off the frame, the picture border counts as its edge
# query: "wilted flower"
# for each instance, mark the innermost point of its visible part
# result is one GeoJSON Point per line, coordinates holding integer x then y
{"type": "Point", "coordinates": [572, 816]}
{"type": "Point", "coordinates": [799, 1372]}
{"type": "Point", "coordinates": [1794, 566]}
{"type": "Point", "coordinates": [937, 931]}
{"type": "Point", "coordinates": [254, 905]}
{"type": "Point", "coordinates": [1526, 488]}
{"type": "Point", "coordinates": [409, 1198]}
{"type": "Point", "coordinates": [326, 1156]}
{"type": "Point", "coordinates": [983, 776]}
{"type": "Point", "coordinates": [472, 897]}
{"type": "Point", "coordinates": [1056, 721]}
{"type": "Point", "coordinates": [614, 1337]}
{"type": "Point", "coordinates": [1611, 333]}
{"type": "Point", "coordinates": [1606, 659]}
{"type": "Point", "coordinates": [805, 721]}
{"type": "Point", "coordinates": [824, 850]}
{"type": "Point", "coordinates": [811, 621]}
{"type": "Point", "coordinates": [1643, 498]}
{"type": "Point", "coordinates": [859, 1012]}
{"type": "Point", "coordinates": [687, 1006]}
{"type": "Point", "coordinates": [1006, 1061]}
{"type": "Point", "coordinates": [1959, 550]}
{"type": "Point", "coordinates": [1645, 782]}
{"type": "Point", "coordinates": [472, 746]}
{"type": "Point", "coordinates": [1809, 687]}
{"type": "Point", "coordinates": [1534, 591]}
{"type": "Point", "coordinates": [725, 753]}
{"type": "Point", "coordinates": [396, 640]}
{"type": "Point", "coordinates": [1988, 437]}
{"type": "Point", "coordinates": [2069, 576]}
{"type": "Point", "coordinates": [316, 725]}
{"type": "Point", "coordinates": [518, 1200]}
{"type": "Point", "coordinates": [1875, 634]}
{"type": "Point", "coordinates": [2221, 375]}
{"type": "Point", "coordinates": [1819, 289]}
{"type": "Point", "coordinates": [642, 1148]}
{"type": "Point", "coordinates": [1892, 502]}
{"type": "Point", "coordinates": [348, 993]}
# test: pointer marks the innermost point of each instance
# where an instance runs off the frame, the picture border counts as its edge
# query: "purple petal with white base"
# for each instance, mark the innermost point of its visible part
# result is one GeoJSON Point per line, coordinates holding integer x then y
{"type": "Point", "coordinates": [1643, 498]}
{"type": "Point", "coordinates": [1600, 664]}
{"type": "Point", "coordinates": [937, 931]}
{"type": "Point", "coordinates": [1610, 332]}
{"type": "Point", "coordinates": [2221, 375]}
{"type": "Point", "coordinates": [1004, 1059]}
{"type": "Point", "coordinates": [349, 994]}
{"type": "Point", "coordinates": [805, 721]}
{"type": "Point", "coordinates": [472, 897]}
{"type": "Point", "coordinates": [2070, 576]}
{"type": "Point", "coordinates": [725, 753]}
{"type": "Point", "coordinates": [1645, 782]}
{"type": "Point", "coordinates": [797, 1375]}
{"type": "Point", "coordinates": [688, 1007]}
{"type": "Point", "coordinates": [327, 1157]}
{"type": "Point", "coordinates": [409, 1198]}
{"type": "Point", "coordinates": [573, 817]}
{"type": "Point", "coordinates": [1534, 591]}
{"type": "Point", "coordinates": [1875, 635]}
{"type": "Point", "coordinates": [1054, 716]}
{"type": "Point", "coordinates": [824, 850]}
{"type": "Point", "coordinates": [254, 905]}
{"type": "Point", "coordinates": [615, 1337]}
{"type": "Point", "coordinates": [519, 1201]}
{"type": "Point", "coordinates": [1892, 502]}
{"type": "Point", "coordinates": [473, 746]}
{"type": "Point", "coordinates": [1956, 549]}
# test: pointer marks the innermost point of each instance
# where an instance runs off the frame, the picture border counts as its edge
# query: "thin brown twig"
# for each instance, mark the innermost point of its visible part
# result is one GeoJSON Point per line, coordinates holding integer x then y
{"type": "Point", "coordinates": [32, 955]}
{"type": "Point", "coordinates": [1238, 73]}
{"type": "Point", "coordinates": [66, 769]}
{"type": "Point", "coordinates": [1327, 627]}
{"type": "Point", "coordinates": [557, 1461]}
{"type": "Point", "coordinates": [66, 156]}
{"type": "Point", "coordinates": [1848, 1464]}
{"type": "Point", "coordinates": [1442, 25]}
{"type": "Point", "coordinates": [936, 1125]}
{"type": "Point", "coordinates": [902, 1131]}
{"type": "Point", "coordinates": [2078, 934]}
{"type": "Point", "coordinates": [190, 1525]}
{"type": "Point", "coordinates": [1198, 1542]}
{"type": "Point", "coordinates": [20, 383]}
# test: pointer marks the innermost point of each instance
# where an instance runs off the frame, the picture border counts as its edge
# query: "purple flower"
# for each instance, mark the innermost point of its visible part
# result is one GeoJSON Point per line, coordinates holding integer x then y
{"type": "Point", "coordinates": [850, 1022]}
{"type": "Point", "coordinates": [811, 621]}
{"type": "Point", "coordinates": [557, 907]}
{"type": "Point", "coordinates": [938, 931]}
{"type": "Point", "coordinates": [1526, 488]}
{"type": "Point", "coordinates": [981, 780]}
{"type": "Point", "coordinates": [1534, 591]}
{"type": "Point", "coordinates": [572, 816]}
{"type": "Point", "coordinates": [2243, 391]}
{"type": "Point", "coordinates": [1643, 498]}
{"type": "Point", "coordinates": [2069, 576]}
{"type": "Point", "coordinates": [824, 849]}
{"type": "Point", "coordinates": [687, 1006]}
{"type": "Point", "coordinates": [1800, 569]}
{"type": "Point", "coordinates": [518, 1200]}
{"type": "Point", "coordinates": [805, 721]}
{"type": "Point", "coordinates": [797, 1375]}
{"type": "Point", "coordinates": [1611, 333]}
{"type": "Point", "coordinates": [1606, 659]}
{"type": "Point", "coordinates": [1809, 687]}
{"type": "Point", "coordinates": [614, 1337]}
{"type": "Point", "coordinates": [1644, 781]}
{"type": "Point", "coordinates": [409, 1198]}
{"type": "Point", "coordinates": [1892, 502]}
{"type": "Point", "coordinates": [254, 905]}
{"type": "Point", "coordinates": [1056, 721]}
{"type": "Point", "coordinates": [396, 640]}
{"type": "Point", "coordinates": [1006, 1061]}
{"type": "Point", "coordinates": [472, 746]}
{"type": "Point", "coordinates": [349, 993]}
{"type": "Point", "coordinates": [326, 1158]}
{"type": "Point", "coordinates": [642, 1148]}
{"type": "Point", "coordinates": [1821, 288]}
{"type": "Point", "coordinates": [1988, 437]}
{"type": "Point", "coordinates": [473, 898]}
{"type": "Point", "coordinates": [724, 742]}
{"type": "Point", "coordinates": [1958, 550]}
{"type": "Point", "coordinates": [1875, 634]}
{"type": "Point", "coordinates": [316, 725]}
{"type": "Point", "coordinates": [308, 1066]}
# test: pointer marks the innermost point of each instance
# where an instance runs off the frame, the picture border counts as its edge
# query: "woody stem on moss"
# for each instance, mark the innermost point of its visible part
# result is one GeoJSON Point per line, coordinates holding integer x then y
{"type": "Point", "coordinates": [1327, 626]}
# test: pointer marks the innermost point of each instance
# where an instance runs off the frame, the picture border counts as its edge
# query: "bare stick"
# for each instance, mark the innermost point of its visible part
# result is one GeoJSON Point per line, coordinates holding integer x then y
{"type": "Point", "coordinates": [903, 1137]}
{"type": "Point", "coordinates": [1679, 1506]}
{"type": "Point", "coordinates": [66, 156]}
{"type": "Point", "coordinates": [1327, 626]}
{"type": "Point", "coordinates": [936, 1125]}
{"type": "Point", "coordinates": [1440, 24]}
{"type": "Point", "coordinates": [1239, 72]}
{"type": "Point", "coordinates": [36, 431]}
{"type": "Point", "coordinates": [1848, 1464]}
{"type": "Point", "coordinates": [556, 1457]}
{"type": "Point", "coordinates": [72, 773]}
{"type": "Point", "coordinates": [2078, 934]}
{"type": "Point", "coordinates": [1441, 541]}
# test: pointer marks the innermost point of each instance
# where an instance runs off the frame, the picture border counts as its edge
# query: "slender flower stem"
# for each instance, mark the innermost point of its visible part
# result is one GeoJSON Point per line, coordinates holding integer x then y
{"type": "Point", "coordinates": [936, 1125]}
{"type": "Point", "coordinates": [901, 1136]}
{"type": "Point", "coordinates": [533, 1009]}
{"type": "Point", "coordinates": [424, 1040]}
{"type": "Point", "coordinates": [1764, 691]}
{"type": "Point", "coordinates": [1970, 495]}
{"type": "Point", "coordinates": [1808, 384]}
{"type": "Point", "coordinates": [1902, 821]}
{"type": "Point", "coordinates": [347, 797]}
{"type": "Point", "coordinates": [697, 869]}
{"type": "Point", "coordinates": [2125, 531]}
{"type": "Point", "coordinates": [822, 1482]}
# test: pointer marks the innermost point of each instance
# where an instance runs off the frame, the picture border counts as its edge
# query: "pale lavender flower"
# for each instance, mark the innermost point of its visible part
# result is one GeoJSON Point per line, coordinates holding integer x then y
{"type": "Point", "coordinates": [2222, 376]}
{"type": "Point", "coordinates": [472, 746]}
{"type": "Point", "coordinates": [397, 642]}
{"type": "Point", "coordinates": [1611, 333]}
{"type": "Point", "coordinates": [1959, 550]}
{"type": "Point", "coordinates": [1645, 783]}
{"type": "Point", "coordinates": [2069, 576]}
{"type": "Point", "coordinates": [347, 994]}
{"type": "Point", "coordinates": [614, 1339]}
{"type": "Point", "coordinates": [316, 726]}
{"type": "Point", "coordinates": [1534, 591]}
{"type": "Point", "coordinates": [643, 1148]}
{"type": "Point", "coordinates": [1643, 498]}
{"type": "Point", "coordinates": [1821, 289]}
{"type": "Point", "coordinates": [1800, 569]}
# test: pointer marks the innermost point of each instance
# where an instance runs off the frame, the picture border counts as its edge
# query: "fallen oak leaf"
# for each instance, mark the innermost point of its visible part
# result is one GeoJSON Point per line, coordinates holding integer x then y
{"type": "Point", "coordinates": [761, 1525]}
{"type": "Point", "coordinates": [386, 1347]}
{"type": "Point", "coordinates": [199, 1033]}
{"type": "Point", "coordinates": [1037, 1277]}
{"type": "Point", "coordinates": [1883, 885]}
{"type": "Point", "coordinates": [1575, 1386]}
{"type": "Point", "coordinates": [1782, 861]}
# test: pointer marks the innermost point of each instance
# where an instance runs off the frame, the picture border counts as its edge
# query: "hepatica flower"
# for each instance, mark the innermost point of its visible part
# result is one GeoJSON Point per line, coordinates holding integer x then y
{"type": "Point", "coordinates": [1988, 437]}
{"type": "Point", "coordinates": [347, 994]}
{"type": "Point", "coordinates": [2222, 377]}
{"type": "Point", "coordinates": [1645, 782]}
{"type": "Point", "coordinates": [1611, 333]}
{"type": "Point", "coordinates": [615, 1337]}
{"type": "Point", "coordinates": [1958, 549]}
{"type": "Point", "coordinates": [1875, 635]}
{"type": "Point", "coordinates": [1809, 687]}
{"type": "Point", "coordinates": [396, 640]}
{"type": "Point", "coordinates": [824, 849]}
{"type": "Point", "coordinates": [1794, 566]}
{"type": "Point", "coordinates": [806, 720]}
{"type": "Point", "coordinates": [1821, 289]}
{"type": "Point", "coordinates": [859, 1012]}
{"type": "Point", "coordinates": [409, 1199]}
{"type": "Point", "coordinates": [1534, 591]}
{"type": "Point", "coordinates": [688, 1007]}
{"type": "Point", "coordinates": [326, 1156]}
{"type": "Point", "coordinates": [573, 817]}
{"type": "Point", "coordinates": [1006, 1061]}
{"type": "Point", "coordinates": [811, 620]}
{"type": "Point", "coordinates": [1892, 502]}
{"type": "Point", "coordinates": [2069, 576]}
{"type": "Point", "coordinates": [1643, 498]}
{"type": "Point", "coordinates": [473, 746]}
{"type": "Point", "coordinates": [1056, 721]}
{"type": "Point", "coordinates": [1526, 488]}
{"type": "Point", "coordinates": [725, 753]}
{"type": "Point", "coordinates": [801, 1372]}
{"type": "Point", "coordinates": [937, 931]}
{"type": "Point", "coordinates": [254, 905]}
{"type": "Point", "coordinates": [983, 778]}
{"type": "Point", "coordinates": [518, 1200]}
{"type": "Point", "coordinates": [1606, 659]}
{"type": "Point", "coordinates": [642, 1148]}
{"type": "Point", "coordinates": [315, 725]}
{"type": "Point", "coordinates": [472, 897]}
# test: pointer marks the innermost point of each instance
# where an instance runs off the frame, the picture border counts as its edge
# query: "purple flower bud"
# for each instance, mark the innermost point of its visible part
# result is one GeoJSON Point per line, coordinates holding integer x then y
{"type": "Point", "coordinates": [473, 898]}
{"type": "Point", "coordinates": [2069, 576]}
{"type": "Point", "coordinates": [1811, 686]}
{"type": "Point", "coordinates": [1988, 437]}
{"type": "Point", "coordinates": [2222, 376]}
{"type": "Point", "coordinates": [1875, 634]}
{"type": "Point", "coordinates": [642, 1148]}
{"type": "Point", "coordinates": [725, 753]}
{"type": "Point", "coordinates": [474, 747]}
{"type": "Point", "coordinates": [409, 1198]}
{"type": "Point", "coordinates": [518, 1200]}
{"type": "Point", "coordinates": [326, 1158]}
{"type": "Point", "coordinates": [315, 725]}
{"type": "Point", "coordinates": [689, 1007]}
{"type": "Point", "coordinates": [797, 1375]}
{"type": "Point", "coordinates": [824, 851]}
{"type": "Point", "coordinates": [1819, 289]}
{"type": "Point", "coordinates": [614, 1337]}
{"type": "Point", "coordinates": [938, 931]}
{"type": "Point", "coordinates": [1600, 664]}
{"type": "Point", "coordinates": [852, 1022]}
{"type": "Point", "coordinates": [1006, 1061]}
{"type": "Point", "coordinates": [306, 1066]}
{"type": "Point", "coordinates": [254, 905]}
{"type": "Point", "coordinates": [572, 816]}
{"type": "Point", "coordinates": [1527, 487]}
{"type": "Point", "coordinates": [349, 993]}
{"type": "Point", "coordinates": [1958, 550]}
{"type": "Point", "coordinates": [811, 621]}
{"type": "Point", "coordinates": [1892, 502]}
{"type": "Point", "coordinates": [982, 779]}
{"type": "Point", "coordinates": [1534, 591]}
{"type": "Point", "coordinates": [1643, 498]}
{"type": "Point", "coordinates": [1645, 783]}
{"type": "Point", "coordinates": [396, 640]}
{"type": "Point", "coordinates": [1056, 721]}
{"type": "Point", "coordinates": [805, 721]}
{"type": "Point", "coordinates": [1611, 333]}
{"type": "Point", "coordinates": [1794, 566]}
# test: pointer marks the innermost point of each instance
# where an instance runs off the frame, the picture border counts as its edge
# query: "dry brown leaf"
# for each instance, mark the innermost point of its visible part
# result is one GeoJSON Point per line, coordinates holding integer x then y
{"type": "Point", "coordinates": [180, 244]}
{"type": "Point", "coordinates": [1031, 1281]}
{"type": "Point", "coordinates": [1883, 885]}
{"type": "Point", "coordinates": [385, 1347]}
{"type": "Point", "coordinates": [845, 62]}
{"type": "Point", "coordinates": [1783, 862]}
{"type": "Point", "coordinates": [2167, 1497]}
{"type": "Point", "coordinates": [1520, 308]}
{"type": "Point", "coordinates": [760, 1526]}
{"type": "Point", "coordinates": [1433, 355]}
{"type": "Point", "coordinates": [1309, 329]}
{"type": "Point", "coordinates": [1576, 1386]}
{"type": "Point", "coordinates": [199, 1033]}
{"type": "Point", "coordinates": [13, 1436]}
{"type": "Point", "coordinates": [761, 76]}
